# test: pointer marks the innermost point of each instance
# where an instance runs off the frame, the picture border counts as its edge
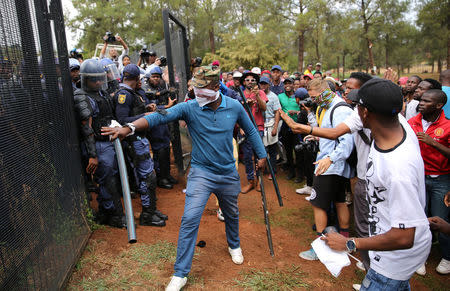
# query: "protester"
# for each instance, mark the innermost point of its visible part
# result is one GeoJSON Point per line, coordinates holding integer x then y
{"type": "Point", "coordinates": [256, 100]}
{"type": "Point", "coordinates": [277, 85]}
{"type": "Point", "coordinates": [400, 239]}
{"type": "Point", "coordinates": [411, 103]}
{"type": "Point", "coordinates": [308, 70]}
{"type": "Point", "coordinates": [433, 132]}
{"type": "Point", "coordinates": [271, 123]}
{"type": "Point", "coordinates": [210, 118]}
{"type": "Point", "coordinates": [318, 69]}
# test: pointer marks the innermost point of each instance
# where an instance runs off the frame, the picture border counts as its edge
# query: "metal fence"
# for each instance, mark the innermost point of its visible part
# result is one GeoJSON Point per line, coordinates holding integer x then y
{"type": "Point", "coordinates": [43, 225]}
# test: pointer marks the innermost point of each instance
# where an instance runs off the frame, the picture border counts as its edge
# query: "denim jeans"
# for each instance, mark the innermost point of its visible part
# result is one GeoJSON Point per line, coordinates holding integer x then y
{"type": "Point", "coordinates": [376, 282]}
{"type": "Point", "coordinates": [436, 189]}
{"type": "Point", "coordinates": [200, 184]}
{"type": "Point", "coordinates": [247, 150]}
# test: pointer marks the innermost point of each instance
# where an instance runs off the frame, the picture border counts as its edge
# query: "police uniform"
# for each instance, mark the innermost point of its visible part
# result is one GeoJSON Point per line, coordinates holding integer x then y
{"type": "Point", "coordinates": [97, 105]}
{"type": "Point", "coordinates": [159, 136]}
{"type": "Point", "coordinates": [129, 107]}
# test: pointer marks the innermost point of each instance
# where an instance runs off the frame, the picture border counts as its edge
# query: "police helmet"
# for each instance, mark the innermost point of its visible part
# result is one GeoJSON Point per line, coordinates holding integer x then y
{"type": "Point", "coordinates": [110, 68]}
{"type": "Point", "coordinates": [93, 76]}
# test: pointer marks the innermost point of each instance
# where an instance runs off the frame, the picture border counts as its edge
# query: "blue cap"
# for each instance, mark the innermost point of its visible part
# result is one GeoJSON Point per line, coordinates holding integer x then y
{"type": "Point", "coordinates": [264, 80]}
{"type": "Point", "coordinates": [132, 70]}
{"type": "Point", "coordinates": [301, 93]}
{"type": "Point", "coordinates": [276, 67]}
{"type": "Point", "coordinates": [156, 70]}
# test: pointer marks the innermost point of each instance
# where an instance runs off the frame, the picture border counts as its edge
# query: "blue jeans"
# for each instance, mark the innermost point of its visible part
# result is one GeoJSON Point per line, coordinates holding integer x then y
{"type": "Point", "coordinates": [247, 150]}
{"type": "Point", "coordinates": [200, 184]}
{"type": "Point", "coordinates": [376, 282]}
{"type": "Point", "coordinates": [436, 189]}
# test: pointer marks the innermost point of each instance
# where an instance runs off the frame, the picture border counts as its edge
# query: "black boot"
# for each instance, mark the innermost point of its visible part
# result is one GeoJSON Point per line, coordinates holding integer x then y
{"type": "Point", "coordinates": [164, 183]}
{"type": "Point", "coordinates": [172, 180]}
{"type": "Point", "coordinates": [161, 215]}
{"type": "Point", "coordinates": [149, 218]}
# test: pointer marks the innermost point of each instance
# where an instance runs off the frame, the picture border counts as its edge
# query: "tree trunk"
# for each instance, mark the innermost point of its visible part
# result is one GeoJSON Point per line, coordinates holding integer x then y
{"type": "Point", "coordinates": [366, 34]}
{"type": "Point", "coordinates": [301, 50]}
{"type": "Point", "coordinates": [337, 65]}
{"type": "Point", "coordinates": [432, 67]}
{"type": "Point", "coordinates": [439, 65]}
{"type": "Point", "coordinates": [387, 51]}
{"type": "Point", "coordinates": [343, 66]}
{"type": "Point", "coordinates": [212, 44]}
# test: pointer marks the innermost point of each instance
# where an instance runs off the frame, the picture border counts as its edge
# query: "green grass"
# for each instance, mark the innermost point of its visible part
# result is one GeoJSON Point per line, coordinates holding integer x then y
{"type": "Point", "coordinates": [275, 281]}
{"type": "Point", "coordinates": [157, 253]}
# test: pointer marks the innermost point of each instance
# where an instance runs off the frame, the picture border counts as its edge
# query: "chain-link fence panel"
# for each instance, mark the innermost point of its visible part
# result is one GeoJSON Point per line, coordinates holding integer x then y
{"type": "Point", "coordinates": [43, 225]}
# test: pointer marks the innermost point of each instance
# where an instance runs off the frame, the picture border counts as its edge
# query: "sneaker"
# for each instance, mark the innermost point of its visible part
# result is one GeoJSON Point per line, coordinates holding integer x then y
{"type": "Point", "coordinates": [176, 283]}
{"type": "Point", "coordinates": [305, 190]}
{"type": "Point", "coordinates": [422, 271]}
{"type": "Point", "coordinates": [360, 266]}
{"type": "Point", "coordinates": [356, 287]}
{"type": "Point", "coordinates": [309, 255]}
{"type": "Point", "coordinates": [443, 267]}
{"type": "Point", "coordinates": [236, 255]}
{"type": "Point", "coordinates": [307, 198]}
{"type": "Point", "coordinates": [269, 177]}
{"type": "Point", "coordinates": [220, 215]}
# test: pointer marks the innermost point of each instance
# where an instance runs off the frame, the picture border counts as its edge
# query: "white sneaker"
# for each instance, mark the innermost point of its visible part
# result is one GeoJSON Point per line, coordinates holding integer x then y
{"type": "Point", "coordinates": [422, 271]}
{"type": "Point", "coordinates": [443, 267]}
{"type": "Point", "coordinates": [307, 198]}
{"type": "Point", "coordinates": [356, 287]}
{"type": "Point", "coordinates": [220, 215]}
{"type": "Point", "coordinates": [176, 283]}
{"type": "Point", "coordinates": [236, 255]}
{"type": "Point", "coordinates": [360, 266]}
{"type": "Point", "coordinates": [305, 190]}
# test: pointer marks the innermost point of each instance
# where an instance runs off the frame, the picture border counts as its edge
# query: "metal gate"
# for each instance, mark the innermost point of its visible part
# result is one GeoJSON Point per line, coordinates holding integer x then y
{"type": "Point", "coordinates": [43, 224]}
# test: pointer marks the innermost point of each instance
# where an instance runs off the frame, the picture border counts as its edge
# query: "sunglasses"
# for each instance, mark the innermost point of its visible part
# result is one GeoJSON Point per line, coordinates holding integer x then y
{"type": "Point", "coordinates": [250, 80]}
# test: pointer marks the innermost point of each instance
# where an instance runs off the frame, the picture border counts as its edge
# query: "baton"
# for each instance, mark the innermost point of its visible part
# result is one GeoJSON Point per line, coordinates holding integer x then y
{"type": "Point", "coordinates": [125, 189]}
{"type": "Point", "coordinates": [269, 165]}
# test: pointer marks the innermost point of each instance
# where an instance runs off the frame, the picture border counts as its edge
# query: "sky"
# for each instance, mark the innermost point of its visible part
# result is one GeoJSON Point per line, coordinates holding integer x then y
{"type": "Point", "coordinates": [71, 38]}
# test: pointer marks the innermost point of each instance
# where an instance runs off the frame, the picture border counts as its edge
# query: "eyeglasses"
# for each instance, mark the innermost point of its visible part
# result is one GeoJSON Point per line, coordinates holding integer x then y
{"type": "Point", "coordinates": [250, 80]}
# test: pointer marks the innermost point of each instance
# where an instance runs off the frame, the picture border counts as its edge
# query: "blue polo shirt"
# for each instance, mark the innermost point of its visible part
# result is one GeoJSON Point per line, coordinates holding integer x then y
{"type": "Point", "coordinates": [212, 132]}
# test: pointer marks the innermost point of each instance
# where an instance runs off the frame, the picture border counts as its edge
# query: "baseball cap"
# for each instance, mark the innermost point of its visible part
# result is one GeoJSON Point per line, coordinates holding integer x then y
{"type": "Point", "coordinates": [237, 75]}
{"type": "Point", "coordinates": [353, 95]}
{"type": "Point", "coordinates": [132, 70]}
{"type": "Point", "coordinates": [205, 75]}
{"type": "Point", "coordinates": [256, 70]}
{"type": "Point", "coordinates": [264, 80]}
{"type": "Point", "coordinates": [265, 72]}
{"type": "Point", "coordinates": [74, 64]}
{"type": "Point", "coordinates": [309, 76]}
{"type": "Point", "coordinates": [381, 96]}
{"type": "Point", "coordinates": [288, 80]}
{"type": "Point", "coordinates": [216, 63]}
{"type": "Point", "coordinates": [301, 93]}
{"type": "Point", "coordinates": [319, 64]}
{"type": "Point", "coordinates": [156, 70]}
{"type": "Point", "coordinates": [276, 67]}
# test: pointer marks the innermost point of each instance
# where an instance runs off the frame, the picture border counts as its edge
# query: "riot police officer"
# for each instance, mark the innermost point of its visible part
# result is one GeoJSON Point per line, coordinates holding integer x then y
{"type": "Point", "coordinates": [159, 136]}
{"type": "Point", "coordinates": [112, 74]}
{"type": "Point", "coordinates": [95, 109]}
{"type": "Point", "coordinates": [129, 107]}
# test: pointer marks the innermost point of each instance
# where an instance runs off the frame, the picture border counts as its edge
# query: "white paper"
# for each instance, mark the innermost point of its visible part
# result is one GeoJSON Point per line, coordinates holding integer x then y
{"type": "Point", "coordinates": [333, 260]}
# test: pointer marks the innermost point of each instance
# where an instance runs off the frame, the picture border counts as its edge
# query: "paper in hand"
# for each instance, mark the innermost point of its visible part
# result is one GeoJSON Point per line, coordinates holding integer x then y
{"type": "Point", "coordinates": [333, 260]}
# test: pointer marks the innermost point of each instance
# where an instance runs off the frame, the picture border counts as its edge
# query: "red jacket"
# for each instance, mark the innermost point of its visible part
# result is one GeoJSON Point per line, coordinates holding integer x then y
{"type": "Point", "coordinates": [435, 163]}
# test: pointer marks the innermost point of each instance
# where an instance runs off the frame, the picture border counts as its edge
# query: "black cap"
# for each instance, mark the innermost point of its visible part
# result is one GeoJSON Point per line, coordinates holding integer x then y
{"type": "Point", "coordinates": [289, 79]}
{"type": "Point", "coordinates": [381, 96]}
{"type": "Point", "coordinates": [152, 53]}
{"type": "Point", "coordinates": [353, 95]}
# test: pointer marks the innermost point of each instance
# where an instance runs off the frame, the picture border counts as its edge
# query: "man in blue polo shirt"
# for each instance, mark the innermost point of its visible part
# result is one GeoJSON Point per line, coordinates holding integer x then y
{"type": "Point", "coordinates": [277, 85]}
{"type": "Point", "coordinates": [210, 119]}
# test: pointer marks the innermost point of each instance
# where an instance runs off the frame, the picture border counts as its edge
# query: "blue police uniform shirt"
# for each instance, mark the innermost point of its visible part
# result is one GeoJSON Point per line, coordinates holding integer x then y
{"type": "Point", "coordinates": [212, 132]}
{"type": "Point", "coordinates": [124, 104]}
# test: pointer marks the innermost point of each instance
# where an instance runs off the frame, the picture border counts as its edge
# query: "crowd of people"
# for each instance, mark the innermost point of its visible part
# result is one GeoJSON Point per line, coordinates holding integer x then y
{"type": "Point", "coordinates": [384, 140]}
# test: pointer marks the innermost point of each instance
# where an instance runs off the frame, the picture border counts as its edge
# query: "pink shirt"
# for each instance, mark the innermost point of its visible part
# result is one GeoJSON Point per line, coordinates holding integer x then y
{"type": "Point", "coordinates": [257, 113]}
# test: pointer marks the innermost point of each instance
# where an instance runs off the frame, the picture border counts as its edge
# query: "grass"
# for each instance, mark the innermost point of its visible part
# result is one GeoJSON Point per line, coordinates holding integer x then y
{"type": "Point", "coordinates": [158, 253]}
{"type": "Point", "coordinates": [275, 281]}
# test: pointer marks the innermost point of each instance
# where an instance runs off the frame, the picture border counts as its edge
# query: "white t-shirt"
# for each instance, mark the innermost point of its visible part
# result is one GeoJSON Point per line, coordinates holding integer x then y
{"type": "Point", "coordinates": [396, 197]}
{"type": "Point", "coordinates": [411, 109]}
{"type": "Point", "coordinates": [362, 149]}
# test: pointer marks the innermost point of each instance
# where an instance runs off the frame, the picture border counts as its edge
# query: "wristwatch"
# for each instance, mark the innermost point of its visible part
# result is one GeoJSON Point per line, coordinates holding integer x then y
{"type": "Point", "coordinates": [131, 127]}
{"type": "Point", "coordinates": [351, 245]}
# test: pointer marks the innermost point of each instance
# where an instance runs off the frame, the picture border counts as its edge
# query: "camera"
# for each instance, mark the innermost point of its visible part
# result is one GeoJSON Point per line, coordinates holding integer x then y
{"type": "Point", "coordinates": [311, 146]}
{"type": "Point", "coordinates": [307, 102]}
{"type": "Point", "coordinates": [163, 60]}
{"type": "Point", "coordinates": [144, 51]}
{"type": "Point", "coordinates": [109, 37]}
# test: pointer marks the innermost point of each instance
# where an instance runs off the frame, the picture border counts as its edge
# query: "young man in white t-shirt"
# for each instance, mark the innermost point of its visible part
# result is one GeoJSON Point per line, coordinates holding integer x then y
{"type": "Point", "coordinates": [400, 238]}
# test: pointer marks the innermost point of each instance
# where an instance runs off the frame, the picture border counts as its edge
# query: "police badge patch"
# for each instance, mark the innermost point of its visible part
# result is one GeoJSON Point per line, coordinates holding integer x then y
{"type": "Point", "coordinates": [121, 98]}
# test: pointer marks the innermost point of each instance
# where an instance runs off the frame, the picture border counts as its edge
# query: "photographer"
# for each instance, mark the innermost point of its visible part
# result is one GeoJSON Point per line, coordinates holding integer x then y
{"type": "Point", "coordinates": [113, 55]}
{"type": "Point", "coordinates": [307, 149]}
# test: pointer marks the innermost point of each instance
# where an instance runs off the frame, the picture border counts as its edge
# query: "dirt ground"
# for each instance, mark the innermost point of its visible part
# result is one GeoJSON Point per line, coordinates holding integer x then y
{"type": "Point", "coordinates": [110, 263]}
